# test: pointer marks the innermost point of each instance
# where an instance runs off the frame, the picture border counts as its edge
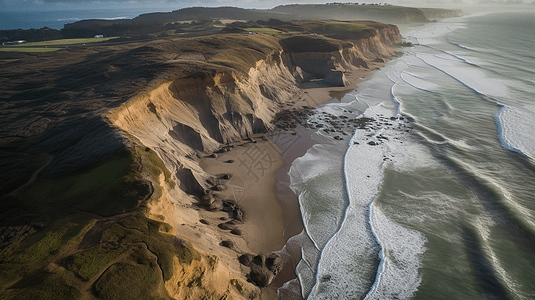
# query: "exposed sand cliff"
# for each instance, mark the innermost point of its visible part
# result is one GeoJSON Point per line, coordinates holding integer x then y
{"type": "Point", "coordinates": [186, 118]}
{"type": "Point", "coordinates": [129, 169]}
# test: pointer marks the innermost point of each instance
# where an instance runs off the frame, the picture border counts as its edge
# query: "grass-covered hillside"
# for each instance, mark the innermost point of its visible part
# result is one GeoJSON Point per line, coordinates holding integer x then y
{"type": "Point", "coordinates": [74, 190]}
{"type": "Point", "coordinates": [207, 19]}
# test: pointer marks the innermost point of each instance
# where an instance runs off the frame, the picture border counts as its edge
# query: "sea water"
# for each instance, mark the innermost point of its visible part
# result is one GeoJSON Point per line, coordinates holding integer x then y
{"type": "Point", "coordinates": [434, 198]}
{"type": "Point", "coordinates": [56, 19]}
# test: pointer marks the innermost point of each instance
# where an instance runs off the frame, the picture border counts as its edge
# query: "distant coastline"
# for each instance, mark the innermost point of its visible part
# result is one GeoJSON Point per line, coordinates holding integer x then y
{"type": "Point", "coordinates": [10, 20]}
{"type": "Point", "coordinates": [31, 25]}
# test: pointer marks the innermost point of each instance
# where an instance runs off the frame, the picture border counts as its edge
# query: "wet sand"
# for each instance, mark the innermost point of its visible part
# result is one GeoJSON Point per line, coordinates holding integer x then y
{"type": "Point", "coordinates": [259, 182]}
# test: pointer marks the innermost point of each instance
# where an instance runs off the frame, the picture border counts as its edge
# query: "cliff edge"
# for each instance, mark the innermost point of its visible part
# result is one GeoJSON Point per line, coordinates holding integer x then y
{"type": "Point", "coordinates": [114, 204]}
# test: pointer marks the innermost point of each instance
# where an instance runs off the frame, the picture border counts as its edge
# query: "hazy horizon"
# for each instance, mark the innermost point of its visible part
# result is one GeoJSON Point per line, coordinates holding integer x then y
{"type": "Point", "coordinates": [55, 14]}
{"type": "Point", "coordinates": [169, 5]}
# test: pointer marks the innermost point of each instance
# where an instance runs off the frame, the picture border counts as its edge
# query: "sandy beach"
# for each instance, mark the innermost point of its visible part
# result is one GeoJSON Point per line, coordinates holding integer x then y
{"type": "Point", "coordinates": [314, 92]}
{"type": "Point", "coordinates": [251, 166]}
{"type": "Point", "coordinates": [258, 182]}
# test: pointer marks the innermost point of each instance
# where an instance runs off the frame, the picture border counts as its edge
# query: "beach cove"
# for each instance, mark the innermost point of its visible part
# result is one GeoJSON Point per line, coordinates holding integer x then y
{"type": "Point", "coordinates": [186, 192]}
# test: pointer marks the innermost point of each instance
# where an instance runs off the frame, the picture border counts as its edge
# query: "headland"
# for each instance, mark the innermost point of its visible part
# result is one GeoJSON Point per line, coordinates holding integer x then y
{"type": "Point", "coordinates": [154, 168]}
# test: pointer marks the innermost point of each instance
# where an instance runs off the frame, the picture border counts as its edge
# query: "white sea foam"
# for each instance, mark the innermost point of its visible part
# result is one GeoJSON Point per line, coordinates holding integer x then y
{"type": "Point", "coordinates": [348, 265]}
{"type": "Point", "coordinates": [482, 225]}
{"type": "Point", "coordinates": [418, 82]}
{"type": "Point", "coordinates": [347, 261]}
{"type": "Point", "coordinates": [410, 156]}
{"type": "Point", "coordinates": [316, 179]}
{"type": "Point", "coordinates": [306, 268]}
{"type": "Point", "coordinates": [464, 47]}
{"type": "Point", "coordinates": [79, 19]}
{"type": "Point", "coordinates": [465, 60]}
{"type": "Point", "coordinates": [349, 257]}
{"type": "Point", "coordinates": [515, 129]}
{"type": "Point", "coordinates": [68, 19]}
{"type": "Point", "coordinates": [466, 74]}
{"type": "Point", "coordinates": [401, 249]}
{"type": "Point", "coordinates": [321, 209]}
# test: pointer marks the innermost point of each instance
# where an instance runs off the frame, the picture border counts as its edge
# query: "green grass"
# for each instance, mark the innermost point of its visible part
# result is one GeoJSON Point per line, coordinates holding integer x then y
{"type": "Point", "coordinates": [267, 41]}
{"type": "Point", "coordinates": [274, 32]}
{"type": "Point", "coordinates": [333, 31]}
{"type": "Point", "coordinates": [264, 30]}
{"type": "Point", "coordinates": [244, 51]}
{"type": "Point", "coordinates": [154, 166]}
{"type": "Point", "coordinates": [331, 27]}
{"type": "Point", "coordinates": [27, 47]}
{"type": "Point", "coordinates": [28, 50]}
{"type": "Point", "coordinates": [330, 39]}
{"type": "Point", "coordinates": [125, 237]}
{"type": "Point", "coordinates": [54, 242]}
{"type": "Point", "coordinates": [113, 186]}
{"type": "Point", "coordinates": [87, 264]}
{"type": "Point", "coordinates": [133, 255]}
{"type": "Point", "coordinates": [42, 285]}
{"type": "Point", "coordinates": [141, 273]}
{"type": "Point", "coordinates": [139, 228]}
{"type": "Point", "coordinates": [239, 59]}
{"type": "Point", "coordinates": [66, 42]}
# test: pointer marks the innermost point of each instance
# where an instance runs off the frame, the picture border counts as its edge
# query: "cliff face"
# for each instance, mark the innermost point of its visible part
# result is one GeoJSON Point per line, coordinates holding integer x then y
{"type": "Point", "coordinates": [188, 117]}
{"type": "Point", "coordinates": [195, 116]}
{"type": "Point", "coordinates": [438, 13]}
{"type": "Point", "coordinates": [100, 160]}
{"type": "Point", "coordinates": [354, 11]}
{"type": "Point", "coordinates": [184, 119]}
{"type": "Point", "coordinates": [356, 53]}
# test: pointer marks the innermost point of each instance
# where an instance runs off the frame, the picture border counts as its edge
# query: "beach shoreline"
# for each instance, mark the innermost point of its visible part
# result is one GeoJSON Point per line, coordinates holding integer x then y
{"type": "Point", "coordinates": [259, 166]}
{"type": "Point", "coordinates": [207, 130]}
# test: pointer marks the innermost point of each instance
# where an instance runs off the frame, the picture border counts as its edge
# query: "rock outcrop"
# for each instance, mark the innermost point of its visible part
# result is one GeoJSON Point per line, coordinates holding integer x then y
{"type": "Point", "coordinates": [335, 78]}
{"type": "Point", "coordinates": [263, 268]}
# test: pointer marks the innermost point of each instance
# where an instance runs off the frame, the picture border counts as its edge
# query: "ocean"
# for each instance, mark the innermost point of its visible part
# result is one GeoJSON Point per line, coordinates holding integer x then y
{"type": "Point", "coordinates": [432, 196]}
{"type": "Point", "coordinates": [56, 19]}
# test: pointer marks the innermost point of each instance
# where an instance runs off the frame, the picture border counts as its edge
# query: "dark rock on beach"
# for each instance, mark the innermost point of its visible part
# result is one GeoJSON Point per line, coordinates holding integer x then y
{"type": "Point", "coordinates": [264, 268]}
{"type": "Point", "coordinates": [245, 259]}
{"type": "Point", "coordinates": [238, 214]}
{"type": "Point", "coordinates": [227, 243]}
{"type": "Point", "coordinates": [236, 231]}
{"type": "Point", "coordinates": [230, 225]}
{"type": "Point", "coordinates": [208, 199]}
{"type": "Point", "coordinates": [225, 226]}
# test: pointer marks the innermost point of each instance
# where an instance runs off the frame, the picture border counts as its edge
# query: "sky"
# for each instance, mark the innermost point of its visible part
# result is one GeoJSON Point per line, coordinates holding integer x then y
{"type": "Point", "coordinates": [169, 5]}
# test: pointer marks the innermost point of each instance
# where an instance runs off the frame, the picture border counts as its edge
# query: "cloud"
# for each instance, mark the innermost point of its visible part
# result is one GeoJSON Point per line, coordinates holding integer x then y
{"type": "Point", "coordinates": [146, 2]}
{"type": "Point", "coordinates": [168, 5]}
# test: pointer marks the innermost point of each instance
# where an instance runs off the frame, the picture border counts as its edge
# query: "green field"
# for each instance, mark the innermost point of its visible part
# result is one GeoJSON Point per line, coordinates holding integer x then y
{"type": "Point", "coordinates": [274, 32]}
{"type": "Point", "coordinates": [66, 42]}
{"type": "Point", "coordinates": [28, 47]}
{"type": "Point", "coordinates": [339, 26]}
{"type": "Point", "coordinates": [21, 49]}
{"type": "Point", "coordinates": [264, 30]}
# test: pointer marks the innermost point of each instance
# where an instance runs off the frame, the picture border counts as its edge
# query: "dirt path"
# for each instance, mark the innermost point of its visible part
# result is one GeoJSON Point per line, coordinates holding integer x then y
{"type": "Point", "coordinates": [34, 175]}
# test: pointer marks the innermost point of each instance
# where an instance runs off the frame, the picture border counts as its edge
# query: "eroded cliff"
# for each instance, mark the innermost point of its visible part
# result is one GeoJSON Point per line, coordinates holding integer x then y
{"type": "Point", "coordinates": [194, 116]}
{"type": "Point", "coordinates": [115, 201]}
{"type": "Point", "coordinates": [190, 117]}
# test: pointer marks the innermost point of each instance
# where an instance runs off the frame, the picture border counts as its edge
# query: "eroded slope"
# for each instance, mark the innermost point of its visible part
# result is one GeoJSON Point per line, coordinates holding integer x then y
{"type": "Point", "coordinates": [116, 187]}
